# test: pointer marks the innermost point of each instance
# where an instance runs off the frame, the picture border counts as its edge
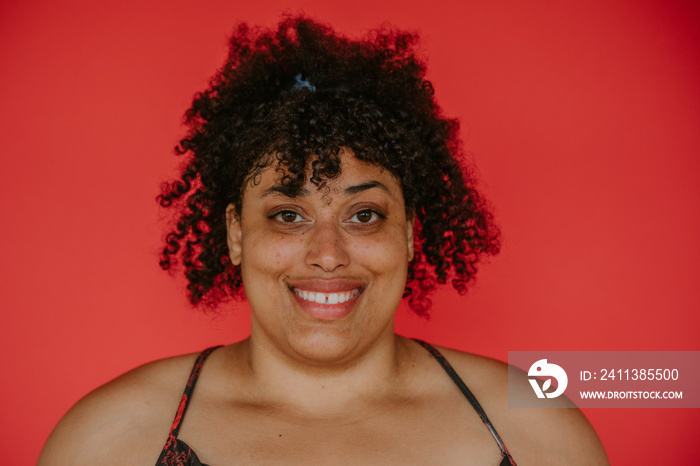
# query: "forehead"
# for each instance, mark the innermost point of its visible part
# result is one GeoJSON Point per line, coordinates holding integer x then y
{"type": "Point", "coordinates": [354, 176]}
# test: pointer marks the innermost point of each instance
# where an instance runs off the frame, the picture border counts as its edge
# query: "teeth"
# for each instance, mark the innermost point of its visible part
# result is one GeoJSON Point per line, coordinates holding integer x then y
{"type": "Point", "coordinates": [326, 298]}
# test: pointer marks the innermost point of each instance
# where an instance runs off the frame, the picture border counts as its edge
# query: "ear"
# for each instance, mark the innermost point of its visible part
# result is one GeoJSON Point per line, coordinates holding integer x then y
{"type": "Point", "coordinates": [409, 234]}
{"type": "Point", "coordinates": [233, 236]}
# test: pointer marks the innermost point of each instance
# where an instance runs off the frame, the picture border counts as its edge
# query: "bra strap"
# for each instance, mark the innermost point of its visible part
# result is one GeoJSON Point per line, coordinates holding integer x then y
{"type": "Point", "coordinates": [187, 395]}
{"type": "Point", "coordinates": [507, 459]}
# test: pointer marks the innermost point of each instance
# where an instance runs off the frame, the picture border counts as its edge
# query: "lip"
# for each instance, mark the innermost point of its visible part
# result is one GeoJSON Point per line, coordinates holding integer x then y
{"type": "Point", "coordinates": [326, 299]}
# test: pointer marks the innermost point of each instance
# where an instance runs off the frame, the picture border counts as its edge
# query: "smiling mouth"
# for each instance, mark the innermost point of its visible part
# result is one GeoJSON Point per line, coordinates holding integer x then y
{"type": "Point", "coordinates": [326, 298]}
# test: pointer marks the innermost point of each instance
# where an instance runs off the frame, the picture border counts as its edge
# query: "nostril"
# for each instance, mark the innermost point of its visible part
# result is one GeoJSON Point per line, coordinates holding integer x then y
{"type": "Point", "coordinates": [326, 247]}
{"type": "Point", "coordinates": [328, 256]}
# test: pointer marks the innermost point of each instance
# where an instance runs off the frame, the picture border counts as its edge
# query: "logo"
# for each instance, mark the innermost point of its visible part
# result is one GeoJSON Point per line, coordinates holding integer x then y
{"type": "Point", "coordinates": [542, 368]}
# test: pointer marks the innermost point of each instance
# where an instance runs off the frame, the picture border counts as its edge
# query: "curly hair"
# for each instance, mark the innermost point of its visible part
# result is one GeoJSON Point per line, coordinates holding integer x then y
{"type": "Point", "coordinates": [300, 94]}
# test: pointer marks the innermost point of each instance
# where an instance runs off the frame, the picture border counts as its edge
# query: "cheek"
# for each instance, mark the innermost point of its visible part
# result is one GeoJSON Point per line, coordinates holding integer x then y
{"type": "Point", "coordinates": [269, 253]}
{"type": "Point", "coordinates": [386, 253]}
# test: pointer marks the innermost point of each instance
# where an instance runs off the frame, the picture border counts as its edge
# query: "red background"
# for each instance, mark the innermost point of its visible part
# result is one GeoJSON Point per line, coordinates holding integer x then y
{"type": "Point", "coordinates": [583, 118]}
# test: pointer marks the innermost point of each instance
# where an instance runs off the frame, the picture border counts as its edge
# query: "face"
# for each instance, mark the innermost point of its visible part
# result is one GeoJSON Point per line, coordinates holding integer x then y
{"type": "Point", "coordinates": [323, 271]}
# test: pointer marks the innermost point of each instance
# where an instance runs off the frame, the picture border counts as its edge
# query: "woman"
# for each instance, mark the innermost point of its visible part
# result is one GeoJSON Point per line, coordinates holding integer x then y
{"type": "Point", "coordinates": [323, 182]}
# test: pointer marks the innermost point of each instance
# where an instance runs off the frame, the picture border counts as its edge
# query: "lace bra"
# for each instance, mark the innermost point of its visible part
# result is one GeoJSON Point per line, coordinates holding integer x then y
{"type": "Point", "coordinates": [178, 453]}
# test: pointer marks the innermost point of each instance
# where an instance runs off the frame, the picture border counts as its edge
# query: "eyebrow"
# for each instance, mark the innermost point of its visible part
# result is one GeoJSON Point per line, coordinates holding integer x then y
{"type": "Point", "coordinates": [285, 191]}
{"type": "Point", "coordinates": [364, 187]}
{"type": "Point", "coordinates": [303, 192]}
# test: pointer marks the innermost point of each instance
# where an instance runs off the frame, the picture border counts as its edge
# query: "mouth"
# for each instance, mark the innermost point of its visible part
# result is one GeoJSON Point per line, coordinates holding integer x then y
{"type": "Point", "coordinates": [326, 298]}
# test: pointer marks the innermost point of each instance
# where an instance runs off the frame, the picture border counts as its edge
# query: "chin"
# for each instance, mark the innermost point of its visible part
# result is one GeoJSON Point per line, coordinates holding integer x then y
{"type": "Point", "coordinates": [325, 344]}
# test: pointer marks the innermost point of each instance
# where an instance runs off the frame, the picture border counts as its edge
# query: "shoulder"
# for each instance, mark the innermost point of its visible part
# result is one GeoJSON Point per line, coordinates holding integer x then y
{"type": "Point", "coordinates": [135, 409]}
{"type": "Point", "coordinates": [559, 435]}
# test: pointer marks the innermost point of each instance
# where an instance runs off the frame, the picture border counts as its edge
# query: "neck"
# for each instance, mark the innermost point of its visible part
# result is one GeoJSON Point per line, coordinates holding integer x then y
{"type": "Point", "coordinates": [365, 373]}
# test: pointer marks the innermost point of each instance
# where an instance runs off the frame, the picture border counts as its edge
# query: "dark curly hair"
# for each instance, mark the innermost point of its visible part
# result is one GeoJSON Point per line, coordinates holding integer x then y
{"type": "Point", "coordinates": [302, 93]}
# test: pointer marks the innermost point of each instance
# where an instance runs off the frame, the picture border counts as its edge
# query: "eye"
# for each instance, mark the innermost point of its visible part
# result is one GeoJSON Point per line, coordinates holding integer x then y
{"type": "Point", "coordinates": [366, 216]}
{"type": "Point", "coordinates": [287, 216]}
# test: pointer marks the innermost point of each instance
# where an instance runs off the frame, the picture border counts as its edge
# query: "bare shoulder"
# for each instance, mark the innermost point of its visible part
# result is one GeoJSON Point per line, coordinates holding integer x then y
{"type": "Point", "coordinates": [134, 410]}
{"type": "Point", "coordinates": [560, 435]}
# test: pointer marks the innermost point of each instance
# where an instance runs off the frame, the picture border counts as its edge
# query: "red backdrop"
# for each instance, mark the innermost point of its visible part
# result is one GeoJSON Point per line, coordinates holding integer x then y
{"type": "Point", "coordinates": [583, 118]}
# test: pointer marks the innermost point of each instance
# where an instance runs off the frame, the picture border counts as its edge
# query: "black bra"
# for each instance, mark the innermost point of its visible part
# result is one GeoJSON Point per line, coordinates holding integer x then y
{"type": "Point", "coordinates": [178, 453]}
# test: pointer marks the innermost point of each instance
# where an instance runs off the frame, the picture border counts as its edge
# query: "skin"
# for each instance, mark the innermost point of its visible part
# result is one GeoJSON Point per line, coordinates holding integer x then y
{"type": "Point", "coordinates": [315, 384]}
{"type": "Point", "coordinates": [353, 236]}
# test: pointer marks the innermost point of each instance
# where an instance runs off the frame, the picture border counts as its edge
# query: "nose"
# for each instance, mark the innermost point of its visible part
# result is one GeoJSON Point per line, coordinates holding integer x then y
{"type": "Point", "coordinates": [327, 248]}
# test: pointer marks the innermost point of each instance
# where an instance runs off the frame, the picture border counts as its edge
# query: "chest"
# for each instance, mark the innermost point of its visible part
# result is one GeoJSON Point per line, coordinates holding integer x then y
{"type": "Point", "coordinates": [410, 433]}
